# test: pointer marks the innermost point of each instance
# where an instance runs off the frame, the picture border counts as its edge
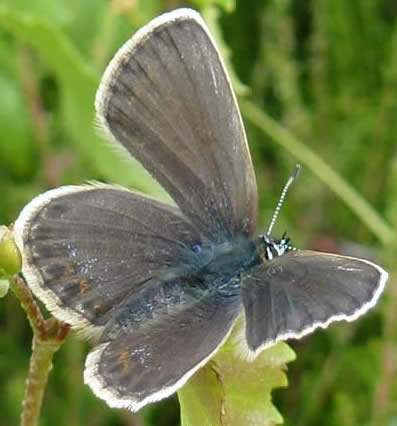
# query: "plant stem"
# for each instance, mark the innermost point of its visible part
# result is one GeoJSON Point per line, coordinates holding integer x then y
{"type": "Point", "coordinates": [48, 336]}
{"type": "Point", "coordinates": [39, 368]}
{"type": "Point", "coordinates": [29, 305]}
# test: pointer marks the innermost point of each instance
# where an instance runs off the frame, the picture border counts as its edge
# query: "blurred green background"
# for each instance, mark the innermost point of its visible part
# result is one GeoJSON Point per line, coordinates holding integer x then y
{"type": "Point", "coordinates": [325, 70]}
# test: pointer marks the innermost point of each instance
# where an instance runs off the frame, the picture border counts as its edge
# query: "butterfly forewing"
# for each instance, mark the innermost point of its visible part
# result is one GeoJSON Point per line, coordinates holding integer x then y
{"type": "Point", "coordinates": [86, 249]}
{"type": "Point", "coordinates": [167, 99]}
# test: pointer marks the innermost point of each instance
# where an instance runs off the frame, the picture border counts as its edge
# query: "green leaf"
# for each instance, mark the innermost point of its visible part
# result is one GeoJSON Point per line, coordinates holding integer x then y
{"type": "Point", "coordinates": [232, 391]}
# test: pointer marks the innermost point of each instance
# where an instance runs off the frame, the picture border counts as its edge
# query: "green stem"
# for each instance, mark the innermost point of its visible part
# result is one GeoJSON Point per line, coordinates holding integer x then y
{"type": "Point", "coordinates": [320, 168]}
{"type": "Point", "coordinates": [48, 336]}
{"type": "Point", "coordinates": [39, 368]}
{"type": "Point", "coordinates": [29, 305]}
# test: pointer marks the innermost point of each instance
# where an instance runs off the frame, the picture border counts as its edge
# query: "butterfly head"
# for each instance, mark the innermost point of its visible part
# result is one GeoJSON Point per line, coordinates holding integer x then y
{"type": "Point", "coordinates": [268, 248]}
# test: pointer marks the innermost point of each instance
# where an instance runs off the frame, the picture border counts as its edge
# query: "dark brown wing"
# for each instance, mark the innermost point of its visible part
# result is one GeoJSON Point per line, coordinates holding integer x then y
{"type": "Point", "coordinates": [87, 249]}
{"type": "Point", "coordinates": [294, 294]}
{"type": "Point", "coordinates": [167, 99]}
{"type": "Point", "coordinates": [149, 362]}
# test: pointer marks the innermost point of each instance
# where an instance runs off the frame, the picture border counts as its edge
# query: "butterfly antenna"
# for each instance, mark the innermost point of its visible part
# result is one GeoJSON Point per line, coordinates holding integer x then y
{"type": "Point", "coordinates": [293, 176]}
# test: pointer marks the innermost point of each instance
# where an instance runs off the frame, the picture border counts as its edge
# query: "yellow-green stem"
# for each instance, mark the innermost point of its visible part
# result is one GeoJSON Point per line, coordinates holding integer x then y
{"type": "Point", "coordinates": [39, 368]}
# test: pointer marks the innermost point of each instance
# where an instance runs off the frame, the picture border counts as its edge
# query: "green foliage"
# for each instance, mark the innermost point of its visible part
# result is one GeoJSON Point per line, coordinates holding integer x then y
{"type": "Point", "coordinates": [318, 85]}
{"type": "Point", "coordinates": [233, 391]}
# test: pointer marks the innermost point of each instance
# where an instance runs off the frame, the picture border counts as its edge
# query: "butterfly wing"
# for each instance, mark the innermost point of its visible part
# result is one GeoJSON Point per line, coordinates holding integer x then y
{"type": "Point", "coordinates": [167, 99]}
{"type": "Point", "coordinates": [87, 249]}
{"type": "Point", "coordinates": [145, 361]}
{"type": "Point", "coordinates": [296, 293]}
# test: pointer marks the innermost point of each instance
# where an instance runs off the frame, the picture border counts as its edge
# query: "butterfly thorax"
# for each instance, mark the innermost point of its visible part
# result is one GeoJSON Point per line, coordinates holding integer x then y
{"type": "Point", "coordinates": [224, 266]}
{"type": "Point", "coordinates": [219, 266]}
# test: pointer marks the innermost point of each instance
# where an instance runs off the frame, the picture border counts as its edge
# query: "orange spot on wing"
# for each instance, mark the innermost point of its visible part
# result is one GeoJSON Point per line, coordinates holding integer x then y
{"type": "Point", "coordinates": [124, 359]}
{"type": "Point", "coordinates": [83, 286]}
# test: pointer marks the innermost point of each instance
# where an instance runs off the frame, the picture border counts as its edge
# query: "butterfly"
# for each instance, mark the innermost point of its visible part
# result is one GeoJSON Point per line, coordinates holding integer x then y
{"type": "Point", "coordinates": [157, 287]}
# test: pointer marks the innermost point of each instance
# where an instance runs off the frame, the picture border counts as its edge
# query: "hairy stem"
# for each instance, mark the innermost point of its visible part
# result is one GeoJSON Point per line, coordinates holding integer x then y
{"type": "Point", "coordinates": [48, 336]}
{"type": "Point", "coordinates": [39, 368]}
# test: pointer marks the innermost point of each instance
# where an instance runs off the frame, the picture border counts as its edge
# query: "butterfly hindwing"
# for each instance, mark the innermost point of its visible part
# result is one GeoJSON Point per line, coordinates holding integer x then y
{"type": "Point", "coordinates": [147, 362]}
{"type": "Point", "coordinates": [294, 294]}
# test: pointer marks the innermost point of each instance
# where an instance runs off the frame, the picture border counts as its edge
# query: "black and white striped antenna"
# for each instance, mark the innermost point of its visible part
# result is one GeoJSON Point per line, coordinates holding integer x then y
{"type": "Point", "coordinates": [293, 176]}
